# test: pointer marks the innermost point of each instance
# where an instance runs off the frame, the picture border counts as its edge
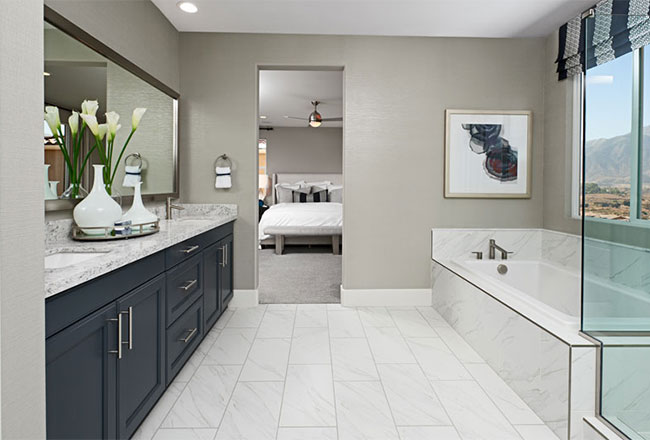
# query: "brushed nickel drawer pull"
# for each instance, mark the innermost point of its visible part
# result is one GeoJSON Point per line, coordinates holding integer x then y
{"type": "Point", "coordinates": [222, 263]}
{"type": "Point", "coordinates": [225, 248]}
{"type": "Point", "coordinates": [187, 338]}
{"type": "Point", "coordinates": [190, 249]}
{"type": "Point", "coordinates": [130, 341]}
{"type": "Point", "coordinates": [189, 285]}
{"type": "Point", "coordinates": [118, 352]}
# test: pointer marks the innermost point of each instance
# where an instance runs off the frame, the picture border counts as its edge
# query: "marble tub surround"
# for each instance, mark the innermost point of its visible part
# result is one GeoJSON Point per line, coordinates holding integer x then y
{"type": "Point", "coordinates": [452, 249]}
{"type": "Point", "coordinates": [526, 244]}
{"type": "Point", "coordinates": [192, 221]}
{"type": "Point", "coordinates": [554, 375]}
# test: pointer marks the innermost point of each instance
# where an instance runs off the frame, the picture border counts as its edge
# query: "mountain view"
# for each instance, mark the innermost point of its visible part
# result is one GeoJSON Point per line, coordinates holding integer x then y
{"type": "Point", "coordinates": [608, 174]}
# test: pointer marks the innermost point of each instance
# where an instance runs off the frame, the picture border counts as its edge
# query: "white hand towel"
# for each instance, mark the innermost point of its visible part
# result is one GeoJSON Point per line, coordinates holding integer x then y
{"type": "Point", "coordinates": [131, 175]}
{"type": "Point", "coordinates": [223, 177]}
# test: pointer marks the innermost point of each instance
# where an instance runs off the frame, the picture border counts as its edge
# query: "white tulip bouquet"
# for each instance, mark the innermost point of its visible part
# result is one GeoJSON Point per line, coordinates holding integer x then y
{"type": "Point", "coordinates": [108, 130]}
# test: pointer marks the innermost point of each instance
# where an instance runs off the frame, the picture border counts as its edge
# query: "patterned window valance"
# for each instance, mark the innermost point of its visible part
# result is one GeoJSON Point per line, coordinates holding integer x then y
{"type": "Point", "coordinates": [617, 27]}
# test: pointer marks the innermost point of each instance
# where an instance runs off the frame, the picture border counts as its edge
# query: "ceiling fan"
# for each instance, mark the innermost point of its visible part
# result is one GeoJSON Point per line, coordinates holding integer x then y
{"type": "Point", "coordinates": [315, 119]}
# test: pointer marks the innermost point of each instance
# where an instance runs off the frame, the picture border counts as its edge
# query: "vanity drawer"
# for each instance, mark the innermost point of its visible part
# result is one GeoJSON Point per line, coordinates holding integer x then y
{"type": "Point", "coordinates": [183, 337]}
{"type": "Point", "coordinates": [184, 286]}
{"type": "Point", "coordinates": [183, 250]}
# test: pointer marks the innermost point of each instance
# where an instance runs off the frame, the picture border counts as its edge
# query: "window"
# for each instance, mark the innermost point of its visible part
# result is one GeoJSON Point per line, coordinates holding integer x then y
{"type": "Point", "coordinates": [616, 119]}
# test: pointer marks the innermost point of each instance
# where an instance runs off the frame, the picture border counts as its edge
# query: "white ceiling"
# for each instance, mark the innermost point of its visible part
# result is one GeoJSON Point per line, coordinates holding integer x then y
{"type": "Point", "coordinates": [289, 93]}
{"type": "Point", "coordinates": [430, 18]}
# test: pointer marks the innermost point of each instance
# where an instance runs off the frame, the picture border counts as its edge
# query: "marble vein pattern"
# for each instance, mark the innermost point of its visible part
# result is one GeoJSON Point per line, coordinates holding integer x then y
{"type": "Point", "coordinates": [253, 412]}
{"type": "Point", "coordinates": [316, 384]}
{"type": "Point", "coordinates": [119, 253]}
{"type": "Point", "coordinates": [267, 360]}
{"type": "Point", "coordinates": [473, 413]}
{"type": "Point", "coordinates": [526, 244]}
{"type": "Point", "coordinates": [307, 434]}
{"type": "Point", "coordinates": [204, 399]}
{"type": "Point", "coordinates": [363, 412]}
{"type": "Point", "coordinates": [308, 397]}
{"type": "Point", "coordinates": [529, 359]}
{"type": "Point", "coordinates": [410, 396]}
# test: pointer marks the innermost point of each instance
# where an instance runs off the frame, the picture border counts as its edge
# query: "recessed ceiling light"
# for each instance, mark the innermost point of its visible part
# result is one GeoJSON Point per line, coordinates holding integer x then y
{"type": "Point", "coordinates": [188, 7]}
{"type": "Point", "coordinates": [262, 117]}
{"type": "Point", "coordinates": [46, 73]}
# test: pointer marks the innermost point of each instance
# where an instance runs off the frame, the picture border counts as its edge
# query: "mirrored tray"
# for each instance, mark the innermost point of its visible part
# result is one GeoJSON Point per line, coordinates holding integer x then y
{"type": "Point", "coordinates": [114, 232]}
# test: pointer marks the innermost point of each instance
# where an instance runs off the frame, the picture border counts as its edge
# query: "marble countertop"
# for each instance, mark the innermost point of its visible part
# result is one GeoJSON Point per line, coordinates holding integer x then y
{"type": "Point", "coordinates": [194, 220]}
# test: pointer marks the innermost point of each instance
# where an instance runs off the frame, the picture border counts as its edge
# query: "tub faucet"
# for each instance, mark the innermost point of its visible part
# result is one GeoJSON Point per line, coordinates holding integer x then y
{"type": "Point", "coordinates": [495, 247]}
{"type": "Point", "coordinates": [171, 206]}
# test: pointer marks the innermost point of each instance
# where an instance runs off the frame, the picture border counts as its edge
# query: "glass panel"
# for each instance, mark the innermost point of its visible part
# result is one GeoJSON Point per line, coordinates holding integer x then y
{"type": "Point", "coordinates": [644, 211]}
{"type": "Point", "coordinates": [616, 252]}
{"type": "Point", "coordinates": [608, 146]}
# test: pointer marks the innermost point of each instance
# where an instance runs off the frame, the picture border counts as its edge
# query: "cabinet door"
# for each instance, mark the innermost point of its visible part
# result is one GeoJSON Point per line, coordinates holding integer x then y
{"type": "Point", "coordinates": [212, 259]}
{"type": "Point", "coordinates": [226, 290]}
{"type": "Point", "coordinates": [80, 378]}
{"type": "Point", "coordinates": [141, 372]}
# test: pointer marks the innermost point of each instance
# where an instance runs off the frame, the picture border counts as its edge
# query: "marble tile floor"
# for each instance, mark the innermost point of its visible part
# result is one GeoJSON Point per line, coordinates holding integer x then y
{"type": "Point", "coordinates": [324, 372]}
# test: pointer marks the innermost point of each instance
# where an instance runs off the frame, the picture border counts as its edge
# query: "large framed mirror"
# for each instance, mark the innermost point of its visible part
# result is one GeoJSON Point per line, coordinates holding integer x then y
{"type": "Point", "coordinates": [78, 67]}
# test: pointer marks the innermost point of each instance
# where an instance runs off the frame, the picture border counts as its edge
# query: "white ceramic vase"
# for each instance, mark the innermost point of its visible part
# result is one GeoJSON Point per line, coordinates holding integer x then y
{"type": "Point", "coordinates": [98, 209]}
{"type": "Point", "coordinates": [49, 195]}
{"type": "Point", "coordinates": [138, 214]}
{"type": "Point", "coordinates": [54, 187]}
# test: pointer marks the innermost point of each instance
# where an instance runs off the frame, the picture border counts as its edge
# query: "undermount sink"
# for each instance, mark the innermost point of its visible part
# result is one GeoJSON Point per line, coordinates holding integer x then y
{"type": "Point", "coordinates": [64, 259]}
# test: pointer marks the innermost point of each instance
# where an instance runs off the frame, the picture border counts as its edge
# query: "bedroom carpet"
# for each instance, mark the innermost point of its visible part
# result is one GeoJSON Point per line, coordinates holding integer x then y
{"type": "Point", "coordinates": [300, 276]}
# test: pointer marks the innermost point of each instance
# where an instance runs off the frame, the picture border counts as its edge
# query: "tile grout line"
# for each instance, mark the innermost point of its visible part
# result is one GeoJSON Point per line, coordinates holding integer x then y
{"type": "Point", "coordinates": [329, 339]}
{"type": "Point", "coordinates": [433, 389]}
{"type": "Point", "coordinates": [381, 383]}
{"type": "Point", "coordinates": [472, 376]}
{"type": "Point", "coordinates": [286, 372]}
{"type": "Point", "coordinates": [216, 434]}
{"type": "Point", "coordinates": [159, 427]}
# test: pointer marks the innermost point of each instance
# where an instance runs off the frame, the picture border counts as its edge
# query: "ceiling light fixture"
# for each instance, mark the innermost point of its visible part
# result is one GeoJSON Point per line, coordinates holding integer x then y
{"type": "Point", "coordinates": [46, 73]}
{"type": "Point", "coordinates": [262, 117]}
{"type": "Point", "coordinates": [188, 7]}
{"type": "Point", "coordinates": [315, 119]}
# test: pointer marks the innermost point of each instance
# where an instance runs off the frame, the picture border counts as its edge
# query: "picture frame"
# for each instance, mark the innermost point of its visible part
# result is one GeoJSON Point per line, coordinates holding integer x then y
{"type": "Point", "coordinates": [488, 154]}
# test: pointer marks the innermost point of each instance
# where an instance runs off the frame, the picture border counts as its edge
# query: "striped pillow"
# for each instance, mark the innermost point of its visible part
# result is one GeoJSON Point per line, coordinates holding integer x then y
{"type": "Point", "coordinates": [318, 196]}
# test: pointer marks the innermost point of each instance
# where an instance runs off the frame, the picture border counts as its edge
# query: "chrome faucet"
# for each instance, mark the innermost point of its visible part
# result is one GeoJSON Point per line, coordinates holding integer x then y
{"type": "Point", "coordinates": [495, 247]}
{"type": "Point", "coordinates": [170, 206]}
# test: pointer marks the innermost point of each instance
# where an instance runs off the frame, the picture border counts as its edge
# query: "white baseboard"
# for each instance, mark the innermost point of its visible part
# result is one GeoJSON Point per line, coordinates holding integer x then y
{"type": "Point", "coordinates": [385, 297]}
{"type": "Point", "coordinates": [244, 298]}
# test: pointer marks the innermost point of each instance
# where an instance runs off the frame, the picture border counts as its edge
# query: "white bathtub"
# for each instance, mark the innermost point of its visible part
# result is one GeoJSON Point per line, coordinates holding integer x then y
{"type": "Point", "coordinates": [531, 287]}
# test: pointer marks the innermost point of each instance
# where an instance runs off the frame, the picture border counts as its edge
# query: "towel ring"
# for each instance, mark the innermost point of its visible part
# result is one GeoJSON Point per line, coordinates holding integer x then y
{"type": "Point", "coordinates": [223, 158]}
{"type": "Point", "coordinates": [135, 155]}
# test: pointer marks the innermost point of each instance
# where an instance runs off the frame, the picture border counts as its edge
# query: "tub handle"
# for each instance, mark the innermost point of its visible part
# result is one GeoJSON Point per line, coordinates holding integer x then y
{"type": "Point", "coordinates": [479, 255]}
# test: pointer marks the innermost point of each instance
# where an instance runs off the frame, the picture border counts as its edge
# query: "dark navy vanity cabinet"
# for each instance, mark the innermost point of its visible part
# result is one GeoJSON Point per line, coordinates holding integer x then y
{"type": "Point", "coordinates": [116, 342]}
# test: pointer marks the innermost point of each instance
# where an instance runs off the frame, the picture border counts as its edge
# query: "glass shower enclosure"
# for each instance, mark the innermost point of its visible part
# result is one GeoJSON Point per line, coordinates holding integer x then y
{"type": "Point", "coordinates": [616, 217]}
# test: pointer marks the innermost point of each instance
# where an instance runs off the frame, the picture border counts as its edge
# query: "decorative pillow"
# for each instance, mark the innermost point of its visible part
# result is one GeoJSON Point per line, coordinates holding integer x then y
{"type": "Point", "coordinates": [284, 191]}
{"type": "Point", "coordinates": [314, 197]}
{"type": "Point", "coordinates": [335, 194]}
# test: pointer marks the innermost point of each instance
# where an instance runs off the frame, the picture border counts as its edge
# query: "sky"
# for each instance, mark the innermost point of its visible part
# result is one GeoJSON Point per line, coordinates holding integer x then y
{"type": "Point", "coordinates": [609, 98]}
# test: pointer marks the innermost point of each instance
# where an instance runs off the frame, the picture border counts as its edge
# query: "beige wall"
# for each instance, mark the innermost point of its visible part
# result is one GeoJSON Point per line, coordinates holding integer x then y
{"type": "Point", "coordinates": [136, 29]}
{"type": "Point", "coordinates": [558, 145]}
{"type": "Point", "coordinates": [304, 150]}
{"type": "Point", "coordinates": [22, 316]}
{"type": "Point", "coordinates": [396, 91]}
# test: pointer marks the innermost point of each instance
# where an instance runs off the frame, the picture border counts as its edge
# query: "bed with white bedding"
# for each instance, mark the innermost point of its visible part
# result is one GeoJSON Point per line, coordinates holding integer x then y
{"type": "Point", "coordinates": [302, 223]}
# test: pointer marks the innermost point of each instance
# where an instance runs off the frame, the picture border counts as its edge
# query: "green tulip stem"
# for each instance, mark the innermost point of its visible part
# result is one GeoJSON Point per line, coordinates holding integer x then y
{"type": "Point", "coordinates": [122, 153]}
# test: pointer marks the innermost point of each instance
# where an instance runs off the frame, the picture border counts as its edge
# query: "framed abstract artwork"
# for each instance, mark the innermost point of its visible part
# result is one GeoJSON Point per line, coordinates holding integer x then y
{"type": "Point", "coordinates": [488, 154]}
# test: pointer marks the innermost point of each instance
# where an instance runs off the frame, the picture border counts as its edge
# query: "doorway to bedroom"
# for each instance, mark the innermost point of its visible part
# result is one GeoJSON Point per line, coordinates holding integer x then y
{"type": "Point", "coordinates": [300, 198]}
